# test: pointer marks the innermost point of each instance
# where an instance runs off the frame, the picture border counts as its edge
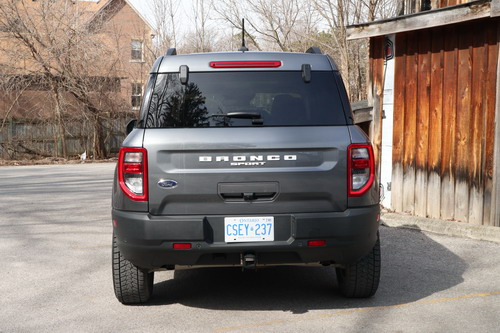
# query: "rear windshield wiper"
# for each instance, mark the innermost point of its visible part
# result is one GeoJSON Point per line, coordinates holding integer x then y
{"type": "Point", "coordinates": [255, 116]}
{"type": "Point", "coordinates": [243, 115]}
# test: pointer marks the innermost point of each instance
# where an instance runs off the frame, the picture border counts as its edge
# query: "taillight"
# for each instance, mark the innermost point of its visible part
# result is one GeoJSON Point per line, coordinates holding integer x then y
{"type": "Point", "coordinates": [245, 64]}
{"type": "Point", "coordinates": [360, 168]}
{"type": "Point", "coordinates": [133, 173]}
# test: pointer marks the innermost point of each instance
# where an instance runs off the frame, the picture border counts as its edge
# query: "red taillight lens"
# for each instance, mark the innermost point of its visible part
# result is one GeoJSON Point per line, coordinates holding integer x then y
{"type": "Point", "coordinates": [132, 167]}
{"type": "Point", "coordinates": [133, 173]}
{"type": "Point", "coordinates": [360, 168]}
{"type": "Point", "coordinates": [181, 246]}
{"type": "Point", "coordinates": [245, 64]}
{"type": "Point", "coordinates": [316, 243]}
{"type": "Point", "coordinates": [361, 164]}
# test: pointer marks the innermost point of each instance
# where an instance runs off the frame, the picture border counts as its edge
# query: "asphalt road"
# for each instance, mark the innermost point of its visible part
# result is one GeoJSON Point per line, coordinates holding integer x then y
{"type": "Point", "coordinates": [55, 259]}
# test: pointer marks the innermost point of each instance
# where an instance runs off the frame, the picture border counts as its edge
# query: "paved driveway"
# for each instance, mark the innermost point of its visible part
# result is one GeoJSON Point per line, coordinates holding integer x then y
{"type": "Point", "coordinates": [55, 260]}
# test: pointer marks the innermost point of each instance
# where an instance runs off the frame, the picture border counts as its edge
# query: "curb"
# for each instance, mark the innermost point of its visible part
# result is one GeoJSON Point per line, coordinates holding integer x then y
{"type": "Point", "coordinates": [449, 228]}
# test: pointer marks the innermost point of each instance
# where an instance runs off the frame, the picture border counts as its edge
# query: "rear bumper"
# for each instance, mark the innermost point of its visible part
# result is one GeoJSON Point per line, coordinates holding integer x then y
{"type": "Point", "coordinates": [147, 240]}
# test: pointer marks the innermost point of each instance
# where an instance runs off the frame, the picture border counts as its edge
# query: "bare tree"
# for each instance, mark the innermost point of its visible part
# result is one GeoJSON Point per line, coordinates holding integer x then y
{"type": "Point", "coordinates": [277, 20]}
{"type": "Point", "coordinates": [232, 12]}
{"type": "Point", "coordinates": [165, 16]}
{"type": "Point", "coordinates": [285, 25]}
{"type": "Point", "coordinates": [336, 15]}
{"type": "Point", "coordinates": [203, 37]}
{"type": "Point", "coordinates": [351, 56]}
{"type": "Point", "coordinates": [64, 59]}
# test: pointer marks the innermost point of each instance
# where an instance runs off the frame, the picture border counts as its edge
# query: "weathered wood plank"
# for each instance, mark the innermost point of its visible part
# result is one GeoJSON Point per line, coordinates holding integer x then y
{"type": "Point", "coordinates": [449, 123]}
{"type": "Point", "coordinates": [495, 211]}
{"type": "Point", "coordinates": [479, 68]}
{"type": "Point", "coordinates": [495, 8]}
{"type": "Point", "coordinates": [398, 123]}
{"type": "Point", "coordinates": [435, 125]}
{"type": "Point", "coordinates": [410, 123]}
{"type": "Point", "coordinates": [441, 4]}
{"type": "Point", "coordinates": [488, 139]}
{"type": "Point", "coordinates": [422, 20]}
{"type": "Point", "coordinates": [422, 124]}
{"type": "Point", "coordinates": [463, 134]}
{"type": "Point", "coordinates": [362, 111]}
{"type": "Point", "coordinates": [377, 55]}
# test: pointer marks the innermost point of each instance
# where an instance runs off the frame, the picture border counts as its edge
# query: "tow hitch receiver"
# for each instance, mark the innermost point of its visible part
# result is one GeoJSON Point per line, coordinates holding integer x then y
{"type": "Point", "coordinates": [248, 261]}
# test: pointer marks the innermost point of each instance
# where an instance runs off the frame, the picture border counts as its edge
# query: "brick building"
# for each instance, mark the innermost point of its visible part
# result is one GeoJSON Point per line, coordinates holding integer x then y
{"type": "Point", "coordinates": [111, 42]}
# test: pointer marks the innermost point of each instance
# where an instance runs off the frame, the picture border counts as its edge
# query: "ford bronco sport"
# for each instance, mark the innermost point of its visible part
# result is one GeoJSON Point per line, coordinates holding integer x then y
{"type": "Point", "coordinates": [245, 159]}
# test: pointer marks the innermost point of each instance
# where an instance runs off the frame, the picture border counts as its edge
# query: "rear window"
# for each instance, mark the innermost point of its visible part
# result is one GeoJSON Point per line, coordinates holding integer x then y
{"type": "Point", "coordinates": [240, 99]}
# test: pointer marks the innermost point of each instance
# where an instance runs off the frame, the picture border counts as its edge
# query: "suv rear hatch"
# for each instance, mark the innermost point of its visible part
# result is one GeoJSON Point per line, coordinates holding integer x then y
{"type": "Point", "coordinates": [255, 142]}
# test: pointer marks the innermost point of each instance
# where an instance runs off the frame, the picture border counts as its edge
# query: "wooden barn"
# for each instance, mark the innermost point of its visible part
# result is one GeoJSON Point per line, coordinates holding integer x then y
{"type": "Point", "coordinates": [435, 99]}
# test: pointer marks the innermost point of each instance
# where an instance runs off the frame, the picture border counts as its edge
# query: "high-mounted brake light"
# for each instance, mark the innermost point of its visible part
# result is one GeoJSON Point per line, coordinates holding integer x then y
{"type": "Point", "coordinates": [133, 173]}
{"type": "Point", "coordinates": [245, 64]}
{"type": "Point", "coordinates": [360, 168]}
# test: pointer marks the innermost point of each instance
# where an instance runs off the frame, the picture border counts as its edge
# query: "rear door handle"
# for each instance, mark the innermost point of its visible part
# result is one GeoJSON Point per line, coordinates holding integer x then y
{"type": "Point", "coordinates": [259, 191]}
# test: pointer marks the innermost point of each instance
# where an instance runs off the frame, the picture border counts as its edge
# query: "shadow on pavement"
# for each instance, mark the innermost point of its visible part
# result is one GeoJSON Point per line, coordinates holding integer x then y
{"type": "Point", "coordinates": [413, 267]}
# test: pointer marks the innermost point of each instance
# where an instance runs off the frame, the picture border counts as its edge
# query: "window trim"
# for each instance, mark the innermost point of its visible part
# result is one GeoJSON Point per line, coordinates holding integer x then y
{"type": "Point", "coordinates": [141, 59]}
{"type": "Point", "coordinates": [132, 95]}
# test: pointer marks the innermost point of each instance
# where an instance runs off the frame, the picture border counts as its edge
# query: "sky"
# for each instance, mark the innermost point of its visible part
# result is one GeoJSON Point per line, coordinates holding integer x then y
{"type": "Point", "coordinates": [184, 11]}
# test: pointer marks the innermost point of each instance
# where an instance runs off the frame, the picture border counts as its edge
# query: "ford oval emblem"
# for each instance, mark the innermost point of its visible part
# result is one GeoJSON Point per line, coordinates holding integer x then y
{"type": "Point", "coordinates": [167, 183]}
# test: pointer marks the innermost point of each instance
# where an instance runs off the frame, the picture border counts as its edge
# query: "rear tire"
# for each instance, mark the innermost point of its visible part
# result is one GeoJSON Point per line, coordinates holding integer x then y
{"type": "Point", "coordinates": [361, 279]}
{"type": "Point", "coordinates": [131, 284]}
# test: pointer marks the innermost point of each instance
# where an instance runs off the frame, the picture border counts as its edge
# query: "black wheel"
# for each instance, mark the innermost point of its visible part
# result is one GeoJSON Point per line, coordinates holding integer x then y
{"type": "Point", "coordinates": [131, 284]}
{"type": "Point", "coordinates": [360, 279]}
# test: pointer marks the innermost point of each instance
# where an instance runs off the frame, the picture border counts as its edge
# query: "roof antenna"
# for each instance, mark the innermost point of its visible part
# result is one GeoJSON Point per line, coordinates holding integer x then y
{"type": "Point", "coordinates": [243, 47]}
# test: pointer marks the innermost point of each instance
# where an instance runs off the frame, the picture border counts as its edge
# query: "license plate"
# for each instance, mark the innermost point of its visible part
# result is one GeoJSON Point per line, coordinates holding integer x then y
{"type": "Point", "coordinates": [248, 229]}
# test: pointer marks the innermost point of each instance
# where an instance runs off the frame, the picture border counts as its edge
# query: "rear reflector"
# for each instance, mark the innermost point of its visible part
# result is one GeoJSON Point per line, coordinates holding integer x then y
{"type": "Point", "coordinates": [316, 243]}
{"type": "Point", "coordinates": [181, 246]}
{"type": "Point", "coordinates": [245, 64]}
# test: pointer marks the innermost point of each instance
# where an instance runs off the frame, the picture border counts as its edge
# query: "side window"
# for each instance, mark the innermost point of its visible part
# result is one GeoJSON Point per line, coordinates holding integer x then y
{"type": "Point", "coordinates": [136, 95]}
{"type": "Point", "coordinates": [136, 50]}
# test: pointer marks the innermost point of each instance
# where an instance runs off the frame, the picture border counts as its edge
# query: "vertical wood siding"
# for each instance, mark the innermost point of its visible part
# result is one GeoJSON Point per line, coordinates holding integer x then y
{"type": "Point", "coordinates": [447, 3]}
{"type": "Point", "coordinates": [377, 58]}
{"type": "Point", "coordinates": [444, 111]}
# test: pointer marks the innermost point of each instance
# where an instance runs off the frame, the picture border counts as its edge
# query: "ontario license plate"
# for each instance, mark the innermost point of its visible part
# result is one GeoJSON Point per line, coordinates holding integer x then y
{"type": "Point", "coordinates": [248, 229]}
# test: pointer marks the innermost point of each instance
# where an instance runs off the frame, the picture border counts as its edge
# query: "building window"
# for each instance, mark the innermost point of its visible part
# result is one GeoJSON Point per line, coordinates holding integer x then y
{"type": "Point", "coordinates": [136, 54]}
{"type": "Point", "coordinates": [136, 95]}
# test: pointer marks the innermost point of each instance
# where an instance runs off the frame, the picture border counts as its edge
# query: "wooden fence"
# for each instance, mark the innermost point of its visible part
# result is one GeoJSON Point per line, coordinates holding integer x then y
{"type": "Point", "coordinates": [444, 122]}
{"type": "Point", "coordinates": [26, 139]}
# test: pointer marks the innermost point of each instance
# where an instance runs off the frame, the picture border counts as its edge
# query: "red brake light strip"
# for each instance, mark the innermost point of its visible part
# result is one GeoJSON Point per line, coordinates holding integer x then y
{"type": "Point", "coordinates": [245, 64]}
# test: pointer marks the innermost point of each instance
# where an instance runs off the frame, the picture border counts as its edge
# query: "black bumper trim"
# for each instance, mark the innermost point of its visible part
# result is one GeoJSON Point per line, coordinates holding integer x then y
{"type": "Point", "coordinates": [147, 240]}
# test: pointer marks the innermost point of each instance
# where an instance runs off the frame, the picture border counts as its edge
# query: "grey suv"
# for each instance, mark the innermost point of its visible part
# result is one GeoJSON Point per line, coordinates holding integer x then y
{"type": "Point", "coordinates": [245, 159]}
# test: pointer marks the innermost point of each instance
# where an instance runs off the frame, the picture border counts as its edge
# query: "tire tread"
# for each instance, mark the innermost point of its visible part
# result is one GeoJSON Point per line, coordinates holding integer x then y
{"type": "Point", "coordinates": [131, 285]}
{"type": "Point", "coordinates": [361, 279]}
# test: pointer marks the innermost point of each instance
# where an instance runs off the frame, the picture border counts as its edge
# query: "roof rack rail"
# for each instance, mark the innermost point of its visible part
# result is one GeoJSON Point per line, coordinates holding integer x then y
{"type": "Point", "coordinates": [314, 50]}
{"type": "Point", "coordinates": [171, 51]}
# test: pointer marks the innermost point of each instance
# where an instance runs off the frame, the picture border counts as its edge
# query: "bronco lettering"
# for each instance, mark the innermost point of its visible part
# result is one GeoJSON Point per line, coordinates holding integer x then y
{"type": "Point", "coordinates": [251, 158]}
